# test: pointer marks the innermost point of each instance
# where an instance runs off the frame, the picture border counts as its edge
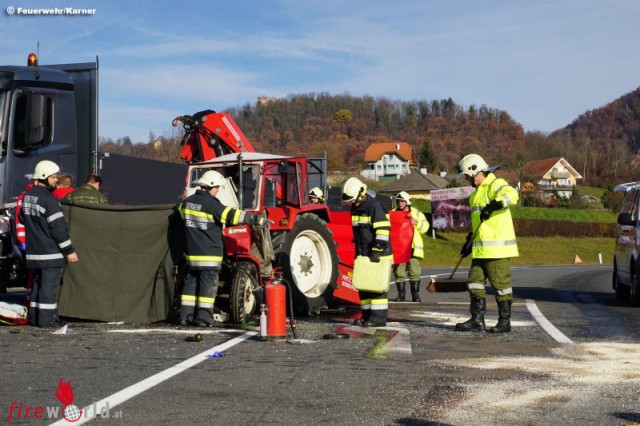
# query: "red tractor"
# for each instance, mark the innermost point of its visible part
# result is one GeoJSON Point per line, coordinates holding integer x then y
{"type": "Point", "coordinates": [310, 244]}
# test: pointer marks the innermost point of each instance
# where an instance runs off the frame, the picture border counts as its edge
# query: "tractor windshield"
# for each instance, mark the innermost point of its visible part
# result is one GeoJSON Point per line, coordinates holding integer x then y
{"type": "Point", "coordinates": [237, 188]}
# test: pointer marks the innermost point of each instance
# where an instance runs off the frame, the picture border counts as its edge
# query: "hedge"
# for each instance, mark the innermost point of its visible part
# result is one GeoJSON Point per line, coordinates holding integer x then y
{"type": "Point", "coordinates": [549, 228]}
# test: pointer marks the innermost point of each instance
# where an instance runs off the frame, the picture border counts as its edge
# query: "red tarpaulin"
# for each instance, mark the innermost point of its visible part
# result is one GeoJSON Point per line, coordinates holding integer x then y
{"type": "Point", "coordinates": [401, 236]}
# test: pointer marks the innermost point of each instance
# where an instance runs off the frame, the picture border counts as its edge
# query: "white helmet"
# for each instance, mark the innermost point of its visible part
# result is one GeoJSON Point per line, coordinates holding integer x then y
{"type": "Point", "coordinates": [472, 164]}
{"type": "Point", "coordinates": [402, 195]}
{"type": "Point", "coordinates": [316, 193]}
{"type": "Point", "coordinates": [353, 190]}
{"type": "Point", "coordinates": [211, 179]}
{"type": "Point", "coordinates": [44, 169]}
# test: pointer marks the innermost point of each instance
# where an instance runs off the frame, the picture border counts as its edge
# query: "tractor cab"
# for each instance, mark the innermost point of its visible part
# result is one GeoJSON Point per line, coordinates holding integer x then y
{"type": "Point", "coordinates": [257, 182]}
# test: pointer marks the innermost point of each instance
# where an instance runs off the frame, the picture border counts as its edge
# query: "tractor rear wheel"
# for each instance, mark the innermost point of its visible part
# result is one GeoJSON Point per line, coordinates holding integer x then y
{"type": "Point", "coordinates": [307, 255]}
{"type": "Point", "coordinates": [243, 299]}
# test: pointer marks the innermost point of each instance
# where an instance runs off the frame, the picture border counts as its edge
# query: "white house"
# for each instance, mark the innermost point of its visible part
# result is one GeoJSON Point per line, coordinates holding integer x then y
{"type": "Point", "coordinates": [388, 160]}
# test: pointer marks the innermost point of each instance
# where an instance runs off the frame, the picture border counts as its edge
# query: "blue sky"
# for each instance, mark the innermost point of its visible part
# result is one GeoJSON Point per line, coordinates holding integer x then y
{"type": "Point", "coordinates": [545, 62]}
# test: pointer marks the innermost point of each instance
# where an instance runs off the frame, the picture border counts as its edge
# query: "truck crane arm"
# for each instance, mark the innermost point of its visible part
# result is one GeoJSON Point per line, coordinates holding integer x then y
{"type": "Point", "coordinates": [209, 134]}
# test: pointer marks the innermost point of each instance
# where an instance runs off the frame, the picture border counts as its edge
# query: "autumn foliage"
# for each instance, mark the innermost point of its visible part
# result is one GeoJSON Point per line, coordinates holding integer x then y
{"type": "Point", "coordinates": [602, 144]}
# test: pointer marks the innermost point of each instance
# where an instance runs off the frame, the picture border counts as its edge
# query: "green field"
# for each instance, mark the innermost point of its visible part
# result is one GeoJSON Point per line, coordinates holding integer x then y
{"type": "Point", "coordinates": [444, 250]}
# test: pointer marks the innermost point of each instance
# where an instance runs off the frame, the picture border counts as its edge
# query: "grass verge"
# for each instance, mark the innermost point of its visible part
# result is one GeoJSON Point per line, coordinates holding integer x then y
{"type": "Point", "coordinates": [444, 250]}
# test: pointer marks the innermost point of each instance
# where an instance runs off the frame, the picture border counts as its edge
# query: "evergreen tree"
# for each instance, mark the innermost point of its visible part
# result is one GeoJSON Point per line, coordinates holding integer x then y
{"type": "Point", "coordinates": [427, 158]}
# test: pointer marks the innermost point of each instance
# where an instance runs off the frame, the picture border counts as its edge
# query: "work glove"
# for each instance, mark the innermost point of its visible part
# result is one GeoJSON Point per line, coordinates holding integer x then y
{"type": "Point", "coordinates": [255, 219]}
{"type": "Point", "coordinates": [376, 251]}
{"type": "Point", "coordinates": [489, 209]}
{"type": "Point", "coordinates": [467, 247]}
{"type": "Point", "coordinates": [374, 256]}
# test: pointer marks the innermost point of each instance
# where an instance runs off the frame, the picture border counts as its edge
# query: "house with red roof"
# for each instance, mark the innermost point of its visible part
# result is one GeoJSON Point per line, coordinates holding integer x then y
{"type": "Point", "coordinates": [388, 160]}
{"type": "Point", "coordinates": [547, 177]}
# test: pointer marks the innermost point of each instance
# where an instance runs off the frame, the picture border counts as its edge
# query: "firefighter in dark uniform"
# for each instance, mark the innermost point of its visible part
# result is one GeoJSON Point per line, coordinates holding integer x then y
{"type": "Point", "coordinates": [204, 215]}
{"type": "Point", "coordinates": [49, 244]}
{"type": "Point", "coordinates": [371, 228]}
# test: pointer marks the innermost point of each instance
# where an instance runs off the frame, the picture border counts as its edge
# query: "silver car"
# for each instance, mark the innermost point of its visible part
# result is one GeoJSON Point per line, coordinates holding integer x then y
{"type": "Point", "coordinates": [626, 265]}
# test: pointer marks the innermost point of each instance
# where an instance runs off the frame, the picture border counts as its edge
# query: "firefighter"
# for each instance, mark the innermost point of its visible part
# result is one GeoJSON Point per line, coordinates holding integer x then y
{"type": "Point", "coordinates": [204, 215]}
{"type": "Point", "coordinates": [49, 244]}
{"type": "Point", "coordinates": [420, 227]}
{"type": "Point", "coordinates": [371, 228]}
{"type": "Point", "coordinates": [316, 196]}
{"type": "Point", "coordinates": [493, 246]}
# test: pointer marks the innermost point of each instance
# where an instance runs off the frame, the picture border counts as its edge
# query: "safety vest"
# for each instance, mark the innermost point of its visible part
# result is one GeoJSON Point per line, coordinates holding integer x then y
{"type": "Point", "coordinates": [496, 238]}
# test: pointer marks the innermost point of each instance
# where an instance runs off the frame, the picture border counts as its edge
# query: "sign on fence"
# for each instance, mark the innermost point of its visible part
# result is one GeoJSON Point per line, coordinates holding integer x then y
{"type": "Point", "coordinates": [450, 208]}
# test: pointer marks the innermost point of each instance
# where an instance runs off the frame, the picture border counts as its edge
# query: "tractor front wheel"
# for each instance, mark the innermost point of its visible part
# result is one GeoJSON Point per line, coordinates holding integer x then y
{"type": "Point", "coordinates": [243, 297]}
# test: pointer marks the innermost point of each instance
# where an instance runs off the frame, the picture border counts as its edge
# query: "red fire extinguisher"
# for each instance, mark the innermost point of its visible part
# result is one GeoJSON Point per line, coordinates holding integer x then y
{"type": "Point", "coordinates": [276, 301]}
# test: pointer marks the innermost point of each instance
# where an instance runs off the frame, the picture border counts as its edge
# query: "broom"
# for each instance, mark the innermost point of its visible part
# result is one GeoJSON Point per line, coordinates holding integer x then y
{"type": "Point", "coordinates": [450, 285]}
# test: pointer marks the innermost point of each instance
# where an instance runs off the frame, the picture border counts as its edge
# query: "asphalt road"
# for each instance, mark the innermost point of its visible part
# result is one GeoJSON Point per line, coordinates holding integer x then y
{"type": "Point", "coordinates": [572, 358]}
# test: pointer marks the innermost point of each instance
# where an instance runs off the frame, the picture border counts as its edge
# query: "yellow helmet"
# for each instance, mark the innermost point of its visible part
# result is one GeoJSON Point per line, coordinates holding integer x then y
{"type": "Point", "coordinates": [211, 179]}
{"type": "Point", "coordinates": [472, 164]}
{"type": "Point", "coordinates": [353, 190]}
{"type": "Point", "coordinates": [402, 195]}
{"type": "Point", "coordinates": [44, 169]}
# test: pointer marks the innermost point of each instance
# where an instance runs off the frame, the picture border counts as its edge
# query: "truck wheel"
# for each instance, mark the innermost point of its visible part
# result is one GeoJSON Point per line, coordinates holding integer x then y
{"type": "Point", "coordinates": [242, 298]}
{"type": "Point", "coordinates": [307, 255]}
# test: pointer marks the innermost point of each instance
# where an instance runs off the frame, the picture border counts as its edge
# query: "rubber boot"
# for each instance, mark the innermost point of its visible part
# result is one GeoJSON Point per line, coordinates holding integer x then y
{"type": "Point", "coordinates": [504, 317]}
{"type": "Point", "coordinates": [415, 291]}
{"type": "Point", "coordinates": [401, 292]}
{"type": "Point", "coordinates": [477, 307]}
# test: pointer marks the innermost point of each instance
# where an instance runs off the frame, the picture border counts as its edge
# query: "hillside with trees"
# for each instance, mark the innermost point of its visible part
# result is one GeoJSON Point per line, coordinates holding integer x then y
{"type": "Point", "coordinates": [344, 126]}
{"type": "Point", "coordinates": [603, 144]}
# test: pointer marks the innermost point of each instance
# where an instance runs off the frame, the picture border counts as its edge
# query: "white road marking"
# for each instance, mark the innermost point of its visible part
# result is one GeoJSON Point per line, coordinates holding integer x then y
{"type": "Point", "coordinates": [175, 331]}
{"type": "Point", "coordinates": [400, 343]}
{"type": "Point", "coordinates": [450, 318]}
{"type": "Point", "coordinates": [146, 384]}
{"type": "Point", "coordinates": [546, 324]}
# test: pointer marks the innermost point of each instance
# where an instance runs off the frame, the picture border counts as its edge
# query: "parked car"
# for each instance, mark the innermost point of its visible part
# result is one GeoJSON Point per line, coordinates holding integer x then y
{"type": "Point", "coordinates": [626, 263]}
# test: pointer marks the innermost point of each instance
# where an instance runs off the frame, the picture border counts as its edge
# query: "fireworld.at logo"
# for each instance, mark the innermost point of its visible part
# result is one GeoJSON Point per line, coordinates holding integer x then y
{"type": "Point", "coordinates": [70, 412]}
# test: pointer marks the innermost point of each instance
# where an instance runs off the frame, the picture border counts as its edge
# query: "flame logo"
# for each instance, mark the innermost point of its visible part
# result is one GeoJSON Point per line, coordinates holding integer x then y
{"type": "Point", "coordinates": [64, 393]}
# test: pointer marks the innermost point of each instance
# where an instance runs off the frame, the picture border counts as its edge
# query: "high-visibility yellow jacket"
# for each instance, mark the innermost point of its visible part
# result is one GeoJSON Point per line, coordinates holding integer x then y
{"type": "Point", "coordinates": [496, 238]}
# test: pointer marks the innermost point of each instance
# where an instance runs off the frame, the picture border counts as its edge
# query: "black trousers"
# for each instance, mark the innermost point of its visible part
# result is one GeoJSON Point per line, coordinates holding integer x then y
{"type": "Point", "coordinates": [198, 295]}
{"type": "Point", "coordinates": [43, 309]}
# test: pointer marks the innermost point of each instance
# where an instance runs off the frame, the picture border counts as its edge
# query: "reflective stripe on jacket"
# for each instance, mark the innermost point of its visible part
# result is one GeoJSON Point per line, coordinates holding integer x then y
{"type": "Point", "coordinates": [496, 238]}
{"type": "Point", "coordinates": [204, 215]}
{"type": "Point", "coordinates": [371, 227]}
{"type": "Point", "coordinates": [45, 229]}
